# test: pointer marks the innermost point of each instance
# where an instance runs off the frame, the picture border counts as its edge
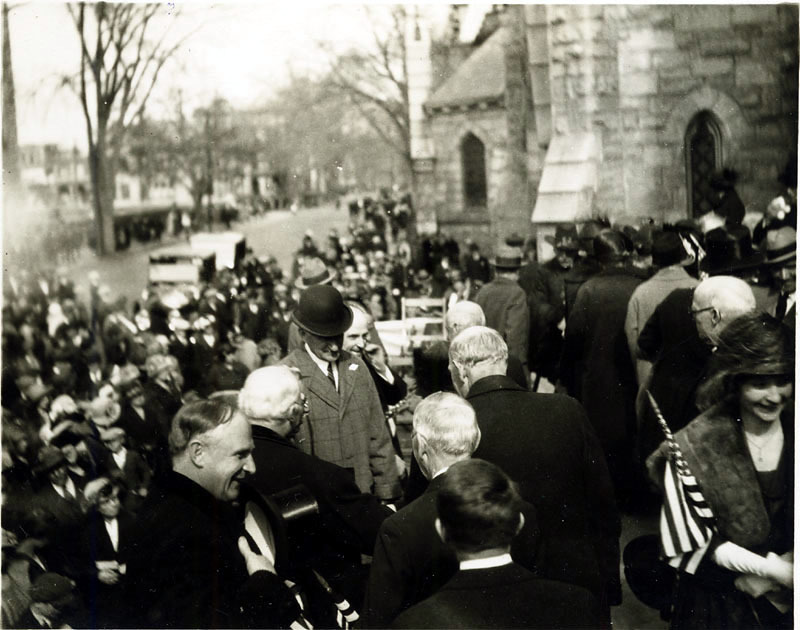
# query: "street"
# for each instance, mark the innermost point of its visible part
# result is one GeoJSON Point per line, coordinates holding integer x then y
{"type": "Point", "coordinates": [278, 233]}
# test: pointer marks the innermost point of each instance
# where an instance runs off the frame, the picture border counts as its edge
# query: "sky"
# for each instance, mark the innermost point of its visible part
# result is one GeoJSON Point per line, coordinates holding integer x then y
{"type": "Point", "coordinates": [240, 51]}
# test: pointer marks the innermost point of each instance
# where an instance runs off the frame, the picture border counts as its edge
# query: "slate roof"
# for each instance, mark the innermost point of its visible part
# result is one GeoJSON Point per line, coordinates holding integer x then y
{"type": "Point", "coordinates": [482, 76]}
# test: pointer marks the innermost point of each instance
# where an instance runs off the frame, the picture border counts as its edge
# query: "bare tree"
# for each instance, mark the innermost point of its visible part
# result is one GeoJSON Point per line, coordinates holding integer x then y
{"type": "Point", "coordinates": [375, 80]}
{"type": "Point", "coordinates": [120, 64]}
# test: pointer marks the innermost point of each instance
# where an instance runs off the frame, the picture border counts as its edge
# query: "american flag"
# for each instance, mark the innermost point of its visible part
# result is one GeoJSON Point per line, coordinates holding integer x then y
{"type": "Point", "coordinates": [687, 522]}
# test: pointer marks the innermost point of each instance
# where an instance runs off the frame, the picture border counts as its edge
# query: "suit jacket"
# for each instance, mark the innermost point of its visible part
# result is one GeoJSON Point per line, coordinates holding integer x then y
{"type": "Point", "coordinates": [141, 432]}
{"type": "Point", "coordinates": [134, 474]}
{"type": "Point", "coordinates": [348, 520]}
{"type": "Point", "coordinates": [545, 443]}
{"type": "Point", "coordinates": [506, 308]}
{"type": "Point", "coordinates": [680, 357]}
{"type": "Point", "coordinates": [411, 562]}
{"type": "Point", "coordinates": [63, 518]}
{"type": "Point", "coordinates": [185, 569]}
{"type": "Point", "coordinates": [104, 602]}
{"type": "Point", "coordinates": [347, 427]}
{"type": "Point", "coordinates": [508, 596]}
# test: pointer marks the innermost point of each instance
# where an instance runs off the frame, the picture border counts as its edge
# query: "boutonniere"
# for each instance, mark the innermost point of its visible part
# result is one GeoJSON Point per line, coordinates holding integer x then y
{"type": "Point", "coordinates": [353, 367]}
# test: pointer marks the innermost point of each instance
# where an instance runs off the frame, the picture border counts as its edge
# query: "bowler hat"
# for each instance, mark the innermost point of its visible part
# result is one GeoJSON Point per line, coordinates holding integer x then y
{"type": "Point", "coordinates": [515, 240]}
{"type": "Point", "coordinates": [780, 245]}
{"type": "Point", "coordinates": [507, 257]}
{"type": "Point", "coordinates": [314, 272]}
{"type": "Point", "coordinates": [322, 311]}
{"type": "Point", "coordinates": [668, 250]}
{"type": "Point", "coordinates": [566, 238]}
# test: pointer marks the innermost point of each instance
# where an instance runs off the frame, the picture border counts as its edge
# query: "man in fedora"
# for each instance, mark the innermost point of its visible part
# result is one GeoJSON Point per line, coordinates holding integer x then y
{"type": "Point", "coordinates": [346, 425]}
{"type": "Point", "coordinates": [505, 304]}
{"type": "Point", "coordinates": [313, 272]}
{"type": "Point", "coordinates": [780, 247]}
{"type": "Point", "coordinates": [670, 257]}
{"type": "Point", "coordinates": [546, 301]}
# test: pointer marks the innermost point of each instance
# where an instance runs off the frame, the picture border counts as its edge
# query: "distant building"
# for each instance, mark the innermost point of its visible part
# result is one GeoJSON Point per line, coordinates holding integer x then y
{"type": "Point", "coordinates": [555, 113]}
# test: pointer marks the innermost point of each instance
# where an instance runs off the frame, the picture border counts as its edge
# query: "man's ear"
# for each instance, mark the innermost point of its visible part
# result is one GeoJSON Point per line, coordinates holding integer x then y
{"type": "Point", "coordinates": [197, 453]}
{"type": "Point", "coordinates": [521, 522]}
{"type": "Point", "coordinates": [440, 530]}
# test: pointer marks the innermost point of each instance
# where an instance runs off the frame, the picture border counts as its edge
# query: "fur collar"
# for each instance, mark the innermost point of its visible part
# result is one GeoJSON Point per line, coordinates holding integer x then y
{"type": "Point", "coordinates": [714, 448]}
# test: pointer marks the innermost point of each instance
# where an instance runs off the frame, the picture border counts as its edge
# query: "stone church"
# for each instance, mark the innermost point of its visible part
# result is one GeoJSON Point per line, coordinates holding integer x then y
{"type": "Point", "coordinates": [560, 113]}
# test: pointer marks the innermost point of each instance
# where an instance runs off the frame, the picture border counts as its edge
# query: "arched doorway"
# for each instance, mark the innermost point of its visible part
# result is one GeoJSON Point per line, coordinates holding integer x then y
{"type": "Point", "coordinates": [703, 147]}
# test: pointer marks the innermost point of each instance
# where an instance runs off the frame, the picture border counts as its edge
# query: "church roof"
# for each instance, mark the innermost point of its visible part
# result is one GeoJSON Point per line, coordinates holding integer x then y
{"type": "Point", "coordinates": [482, 76]}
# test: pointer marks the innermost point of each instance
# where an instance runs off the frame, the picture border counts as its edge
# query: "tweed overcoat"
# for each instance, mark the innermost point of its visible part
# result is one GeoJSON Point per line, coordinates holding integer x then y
{"type": "Point", "coordinates": [506, 308]}
{"type": "Point", "coordinates": [347, 427]}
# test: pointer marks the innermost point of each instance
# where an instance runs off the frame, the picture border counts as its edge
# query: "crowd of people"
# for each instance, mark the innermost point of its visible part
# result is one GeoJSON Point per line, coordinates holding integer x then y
{"type": "Point", "coordinates": [226, 454]}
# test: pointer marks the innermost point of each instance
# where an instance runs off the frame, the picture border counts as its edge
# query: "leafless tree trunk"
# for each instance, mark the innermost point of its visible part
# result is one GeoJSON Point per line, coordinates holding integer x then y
{"type": "Point", "coordinates": [119, 68]}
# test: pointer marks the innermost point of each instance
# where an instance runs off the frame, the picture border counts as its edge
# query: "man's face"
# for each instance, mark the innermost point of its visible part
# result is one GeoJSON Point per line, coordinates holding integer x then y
{"type": "Point", "coordinates": [462, 387]}
{"type": "Point", "coordinates": [355, 339]}
{"type": "Point", "coordinates": [58, 476]}
{"type": "Point", "coordinates": [565, 258]}
{"type": "Point", "coordinates": [229, 457]}
{"type": "Point", "coordinates": [705, 316]}
{"type": "Point", "coordinates": [326, 348]}
{"type": "Point", "coordinates": [109, 506]}
{"type": "Point", "coordinates": [785, 276]}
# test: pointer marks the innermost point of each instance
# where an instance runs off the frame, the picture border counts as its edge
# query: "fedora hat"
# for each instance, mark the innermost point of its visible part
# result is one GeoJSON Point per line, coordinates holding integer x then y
{"type": "Point", "coordinates": [669, 249]}
{"type": "Point", "coordinates": [780, 245]}
{"type": "Point", "coordinates": [507, 257]}
{"type": "Point", "coordinates": [515, 240]}
{"type": "Point", "coordinates": [322, 311]}
{"type": "Point", "coordinates": [566, 238]}
{"type": "Point", "coordinates": [314, 272]}
{"type": "Point", "coordinates": [728, 252]}
{"type": "Point", "coordinates": [50, 457]}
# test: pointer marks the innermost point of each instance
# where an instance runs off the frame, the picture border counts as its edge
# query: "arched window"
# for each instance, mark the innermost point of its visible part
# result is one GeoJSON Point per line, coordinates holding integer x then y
{"type": "Point", "coordinates": [473, 171]}
{"type": "Point", "coordinates": [703, 157]}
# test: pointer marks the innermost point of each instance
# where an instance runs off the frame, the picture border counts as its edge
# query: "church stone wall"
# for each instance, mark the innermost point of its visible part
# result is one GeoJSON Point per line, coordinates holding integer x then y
{"type": "Point", "coordinates": [638, 74]}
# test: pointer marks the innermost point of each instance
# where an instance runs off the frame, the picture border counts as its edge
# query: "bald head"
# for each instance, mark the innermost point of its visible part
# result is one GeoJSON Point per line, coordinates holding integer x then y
{"type": "Point", "coordinates": [463, 315]}
{"type": "Point", "coordinates": [270, 396]}
{"type": "Point", "coordinates": [717, 301]}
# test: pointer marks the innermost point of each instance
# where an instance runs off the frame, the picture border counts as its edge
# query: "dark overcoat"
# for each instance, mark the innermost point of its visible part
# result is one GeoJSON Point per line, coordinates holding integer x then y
{"type": "Point", "coordinates": [508, 596]}
{"type": "Point", "coordinates": [545, 443]}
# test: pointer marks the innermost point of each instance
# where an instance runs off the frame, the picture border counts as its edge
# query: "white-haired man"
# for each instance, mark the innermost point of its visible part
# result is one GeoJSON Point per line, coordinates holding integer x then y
{"type": "Point", "coordinates": [348, 520]}
{"type": "Point", "coordinates": [680, 337]}
{"type": "Point", "coordinates": [410, 561]}
{"type": "Point", "coordinates": [546, 444]}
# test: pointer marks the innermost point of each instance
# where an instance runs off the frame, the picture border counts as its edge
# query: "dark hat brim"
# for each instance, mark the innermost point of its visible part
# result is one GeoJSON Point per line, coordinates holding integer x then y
{"type": "Point", "coordinates": [716, 268]}
{"type": "Point", "coordinates": [506, 263]}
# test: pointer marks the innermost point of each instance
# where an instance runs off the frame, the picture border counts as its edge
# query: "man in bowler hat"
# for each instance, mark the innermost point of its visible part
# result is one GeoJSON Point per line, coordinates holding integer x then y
{"type": "Point", "coordinates": [346, 425]}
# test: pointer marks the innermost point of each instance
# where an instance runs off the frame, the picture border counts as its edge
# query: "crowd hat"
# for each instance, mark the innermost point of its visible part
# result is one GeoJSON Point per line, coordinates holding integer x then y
{"type": "Point", "coordinates": [566, 238]}
{"type": "Point", "coordinates": [781, 245]}
{"type": "Point", "coordinates": [50, 458]}
{"type": "Point", "coordinates": [103, 411]}
{"type": "Point", "coordinates": [729, 251]}
{"type": "Point", "coordinates": [507, 257]}
{"type": "Point", "coordinates": [314, 272]}
{"type": "Point", "coordinates": [609, 246]}
{"type": "Point", "coordinates": [515, 240]}
{"type": "Point", "coordinates": [669, 249]}
{"type": "Point", "coordinates": [586, 235]}
{"type": "Point", "coordinates": [111, 433]}
{"type": "Point", "coordinates": [322, 311]}
{"type": "Point", "coordinates": [158, 363]}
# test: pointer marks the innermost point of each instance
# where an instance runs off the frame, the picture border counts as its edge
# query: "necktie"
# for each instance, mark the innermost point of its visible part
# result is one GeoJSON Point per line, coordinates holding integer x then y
{"type": "Point", "coordinates": [780, 308]}
{"type": "Point", "coordinates": [331, 376]}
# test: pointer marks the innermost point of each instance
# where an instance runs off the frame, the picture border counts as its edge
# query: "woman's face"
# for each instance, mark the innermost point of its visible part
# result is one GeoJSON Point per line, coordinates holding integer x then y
{"type": "Point", "coordinates": [765, 397]}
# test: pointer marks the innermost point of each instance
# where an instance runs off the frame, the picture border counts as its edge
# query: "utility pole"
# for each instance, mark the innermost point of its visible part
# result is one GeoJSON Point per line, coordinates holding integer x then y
{"type": "Point", "coordinates": [12, 183]}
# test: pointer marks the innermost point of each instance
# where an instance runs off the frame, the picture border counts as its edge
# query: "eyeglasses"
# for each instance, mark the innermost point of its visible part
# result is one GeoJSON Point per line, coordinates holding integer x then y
{"type": "Point", "coordinates": [694, 311]}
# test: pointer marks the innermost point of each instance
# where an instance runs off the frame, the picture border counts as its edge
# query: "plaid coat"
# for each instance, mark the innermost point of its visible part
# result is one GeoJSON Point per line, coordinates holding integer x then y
{"type": "Point", "coordinates": [347, 428]}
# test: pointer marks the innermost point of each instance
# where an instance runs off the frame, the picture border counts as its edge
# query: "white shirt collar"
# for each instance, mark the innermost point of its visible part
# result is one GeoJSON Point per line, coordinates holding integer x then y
{"type": "Point", "coordinates": [120, 457]}
{"type": "Point", "coordinates": [323, 365]}
{"type": "Point", "coordinates": [112, 527]}
{"type": "Point", "coordinates": [440, 472]}
{"type": "Point", "coordinates": [67, 491]}
{"type": "Point", "coordinates": [486, 563]}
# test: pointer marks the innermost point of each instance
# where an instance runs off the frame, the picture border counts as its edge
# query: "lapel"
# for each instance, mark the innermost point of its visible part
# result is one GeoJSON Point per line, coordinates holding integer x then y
{"type": "Point", "coordinates": [347, 378]}
{"type": "Point", "coordinates": [317, 382]}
